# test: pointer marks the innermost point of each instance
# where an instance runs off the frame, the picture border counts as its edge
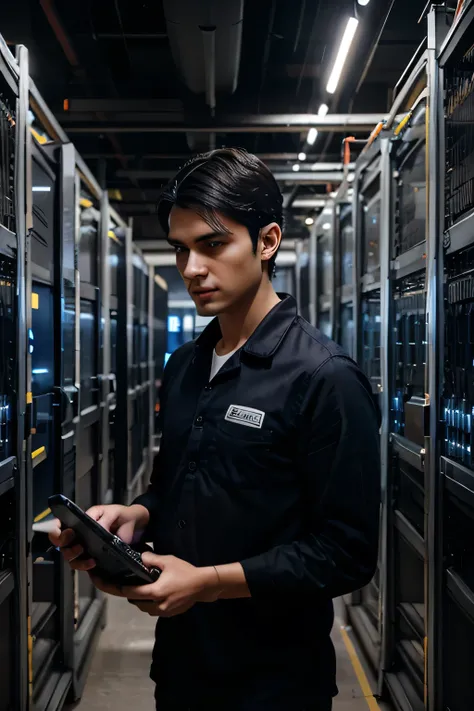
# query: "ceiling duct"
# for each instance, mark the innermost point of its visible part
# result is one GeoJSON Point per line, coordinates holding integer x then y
{"type": "Point", "coordinates": [205, 39]}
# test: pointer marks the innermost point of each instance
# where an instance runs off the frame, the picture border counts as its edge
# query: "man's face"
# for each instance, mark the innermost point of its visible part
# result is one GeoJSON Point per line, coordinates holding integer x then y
{"type": "Point", "coordinates": [220, 270]}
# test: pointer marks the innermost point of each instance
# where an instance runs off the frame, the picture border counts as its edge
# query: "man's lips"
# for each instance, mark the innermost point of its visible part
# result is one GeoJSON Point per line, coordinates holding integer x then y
{"type": "Point", "coordinates": [203, 292]}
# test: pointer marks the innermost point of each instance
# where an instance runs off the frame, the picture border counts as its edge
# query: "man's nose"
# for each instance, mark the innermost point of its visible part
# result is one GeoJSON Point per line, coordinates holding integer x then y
{"type": "Point", "coordinates": [195, 266]}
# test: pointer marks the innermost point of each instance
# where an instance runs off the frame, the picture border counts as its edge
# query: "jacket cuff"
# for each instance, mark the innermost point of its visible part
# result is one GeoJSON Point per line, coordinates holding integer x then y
{"type": "Point", "coordinates": [259, 579]}
{"type": "Point", "coordinates": [150, 501]}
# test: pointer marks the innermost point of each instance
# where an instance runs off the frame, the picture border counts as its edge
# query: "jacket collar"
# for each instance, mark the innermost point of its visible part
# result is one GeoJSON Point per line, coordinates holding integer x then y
{"type": "Point", "coordinates": [267, 337]}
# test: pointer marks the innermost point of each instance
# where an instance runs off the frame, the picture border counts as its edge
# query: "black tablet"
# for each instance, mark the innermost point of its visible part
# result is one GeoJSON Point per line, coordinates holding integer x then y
{"type": "Point", "coordinates": [116, 562]}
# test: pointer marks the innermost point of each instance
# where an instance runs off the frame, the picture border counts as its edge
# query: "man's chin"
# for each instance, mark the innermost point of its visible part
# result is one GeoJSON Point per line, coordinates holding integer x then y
{"type": "Point", "coordinates": [207, 310]}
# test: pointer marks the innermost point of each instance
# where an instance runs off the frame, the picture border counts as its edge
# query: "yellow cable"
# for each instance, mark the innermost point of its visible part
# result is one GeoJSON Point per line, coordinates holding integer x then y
{"type": "Point", "coordinates": [359, 672]}
{"type": "Point", "coordinates": [37, 452]}
{"type": "Point", "coordinates": [42, 515]}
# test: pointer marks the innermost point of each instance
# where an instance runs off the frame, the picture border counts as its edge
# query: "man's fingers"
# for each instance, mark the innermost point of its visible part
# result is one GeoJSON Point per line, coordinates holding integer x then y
{"type": "Point", "coordinates": [108, 588]}
{"type": "Point", "coordinates": [84, 565]}
{"type": "Point", "coordinates": [141, 592]}
{"type": "Point", "coordinates": [151, 608]}
{"type": "Point", "coordinates": [73, 552]}
{"type": "Point", "coordinates": [66, 538]}
{"type": "Point", "coordinates": [152, 560]}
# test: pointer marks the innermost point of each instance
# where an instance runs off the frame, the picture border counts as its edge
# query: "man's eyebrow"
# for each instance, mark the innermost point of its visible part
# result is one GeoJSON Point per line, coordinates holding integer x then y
{"type": "Point", "coordinates": [201, 238]}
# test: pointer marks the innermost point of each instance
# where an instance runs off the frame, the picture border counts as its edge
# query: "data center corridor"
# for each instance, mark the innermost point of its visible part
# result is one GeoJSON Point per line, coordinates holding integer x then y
{"type": "Point", "coordinates": [118, 677]}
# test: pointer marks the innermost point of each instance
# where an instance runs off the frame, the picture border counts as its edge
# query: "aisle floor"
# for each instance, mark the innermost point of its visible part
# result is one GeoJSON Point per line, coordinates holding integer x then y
{"type": "Point", "coordinates": [118, 678]}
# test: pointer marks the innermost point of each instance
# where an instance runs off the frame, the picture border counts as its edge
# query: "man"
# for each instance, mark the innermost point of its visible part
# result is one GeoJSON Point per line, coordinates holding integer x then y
{"type": "Point", "coordinates": [264, 500]}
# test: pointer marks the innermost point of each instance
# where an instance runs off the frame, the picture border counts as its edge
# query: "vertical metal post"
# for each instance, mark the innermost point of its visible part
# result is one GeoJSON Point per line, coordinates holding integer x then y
{"type": "Point", "coordinates": [435, 333]}
{"type": "Point", "coordinates": [298, 250]}
{"type": "Point", "coordinates": [106, 362]}
{"type": "Point", "coordinates": [357, 247]}
{"type": "Point", "coordinates": [313, 293]}
{"type": "Point", "coordinates": [129, 296]}
{"type": "Point", "coordinates": [151, 370]}
{"type": "Point", "coordinates": [336, 273]}
{"type": "Point", "coordinates": [332, 242]}
{"type": "Point", "coordinates": [386, 234]}
{"type": "Point", "coordinates": [23, 533]}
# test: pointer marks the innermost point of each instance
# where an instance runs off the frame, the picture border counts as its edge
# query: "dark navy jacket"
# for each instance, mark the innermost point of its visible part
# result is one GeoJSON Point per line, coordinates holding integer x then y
{"type": "Point", "coordinates": [274, 464]}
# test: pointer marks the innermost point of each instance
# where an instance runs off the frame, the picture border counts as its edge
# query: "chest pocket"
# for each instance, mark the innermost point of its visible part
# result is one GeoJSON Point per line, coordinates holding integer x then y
{"type": "Point", "coordinates": [245, 456]}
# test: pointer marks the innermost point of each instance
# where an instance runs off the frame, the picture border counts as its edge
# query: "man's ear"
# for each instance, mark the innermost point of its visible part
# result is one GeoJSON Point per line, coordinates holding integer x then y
{"type": "Point", "coordinates": [270, 237]}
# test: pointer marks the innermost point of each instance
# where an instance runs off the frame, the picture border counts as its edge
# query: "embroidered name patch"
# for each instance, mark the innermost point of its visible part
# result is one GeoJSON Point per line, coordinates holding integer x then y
{"type": "Point", "coordinates": [245, 416]}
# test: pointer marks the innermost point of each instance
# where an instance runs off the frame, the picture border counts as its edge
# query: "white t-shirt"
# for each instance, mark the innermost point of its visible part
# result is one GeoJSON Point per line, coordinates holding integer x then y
{"type": "Point", "coordinates": [218, 361]}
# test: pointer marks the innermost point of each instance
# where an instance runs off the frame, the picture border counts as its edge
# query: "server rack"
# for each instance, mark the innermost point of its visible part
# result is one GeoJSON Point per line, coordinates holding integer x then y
{"type": "Point", "coordinates": [322, 259]}
{"type": "Point", "coordinates": [451, 584]}
{"type": "Point", "coordinates": [89, 603]}
{"type": "Point", "coordinates": [344, 269]}
{"type": "Point", "coordinates": [133, 442]}
{"type": "Point", "coordinates": [407, 408]}
{"type": "Point", "coordinates": [158, 312]}
{"type": "Point", "coordinates": [14, 687]}
{"type": "Point", "coordinates": [363, 607]}
{"type": "Point", "coordinates": [115, 294]}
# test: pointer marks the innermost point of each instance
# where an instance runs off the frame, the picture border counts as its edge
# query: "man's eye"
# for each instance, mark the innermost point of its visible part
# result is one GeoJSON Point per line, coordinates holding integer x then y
{"type": "Point", "coordinates": [214, 245]}
{"type": "Point", "coordinates": [178, 249]}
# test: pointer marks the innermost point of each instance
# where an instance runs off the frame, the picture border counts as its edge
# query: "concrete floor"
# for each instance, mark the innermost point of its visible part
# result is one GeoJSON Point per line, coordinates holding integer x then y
{"type": "Point", "coordinates": [118, 678]}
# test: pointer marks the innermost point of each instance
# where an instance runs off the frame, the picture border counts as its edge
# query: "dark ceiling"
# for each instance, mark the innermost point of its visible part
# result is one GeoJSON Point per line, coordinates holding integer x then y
{"type": "Point", "coordinates": [103, 64]}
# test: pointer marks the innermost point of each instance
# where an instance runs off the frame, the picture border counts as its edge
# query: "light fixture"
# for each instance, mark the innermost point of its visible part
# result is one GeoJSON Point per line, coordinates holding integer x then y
{"type": "Point", "coordinates": [363, 2]}
{"type": "Point", "coordinates": [323, 110]}
{"type": "Point", "coordinates": [350, 178]}
{"type": "Point", "coordinates": [41, 189]}
{"type": "Point", "coordinates": [309, 221]}
{"type": "Point", "coordinates": [327, 226]}
{"type": "Point", "coordinates": [312, 136]}
{"type": "Point", "coordinates": [301, 156]}
{"type": "Point", "coordinates": [296, 167]}
{"type": "Point", "coordinates": [344, 48]}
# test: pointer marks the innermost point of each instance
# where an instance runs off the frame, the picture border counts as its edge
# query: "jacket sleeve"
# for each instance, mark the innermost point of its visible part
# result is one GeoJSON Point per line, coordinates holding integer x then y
{"type": "Point", "coordinates": [339, 465]}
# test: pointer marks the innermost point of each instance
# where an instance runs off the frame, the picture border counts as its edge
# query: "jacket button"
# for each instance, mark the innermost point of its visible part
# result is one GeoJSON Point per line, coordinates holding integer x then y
{"type": "Point", "coordinates": [192, 466]}
{"type": "Point", "coordinates": [181, 524]}
{"type": "Point", "coordinates": [198, 420]}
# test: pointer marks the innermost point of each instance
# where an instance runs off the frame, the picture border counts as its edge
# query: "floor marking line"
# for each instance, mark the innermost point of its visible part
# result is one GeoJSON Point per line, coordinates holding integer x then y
{"type": "Point", "coordinates": [359, 672]}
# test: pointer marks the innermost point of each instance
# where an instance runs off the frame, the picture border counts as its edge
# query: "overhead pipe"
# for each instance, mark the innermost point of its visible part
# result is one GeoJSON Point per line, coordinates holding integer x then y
{"type": "Point", "coordinates": [209, 47]}
{"type": "Point", "coordinates": [259, 123]}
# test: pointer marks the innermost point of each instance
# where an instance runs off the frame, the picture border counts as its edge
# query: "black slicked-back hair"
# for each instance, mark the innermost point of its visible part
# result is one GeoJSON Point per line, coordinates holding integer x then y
{"type": "Point", "coordinates": [232, 182]}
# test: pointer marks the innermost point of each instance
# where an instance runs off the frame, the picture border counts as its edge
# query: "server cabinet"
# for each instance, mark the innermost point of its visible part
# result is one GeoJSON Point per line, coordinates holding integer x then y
{"type": "Point", "coordinates": [158, 348]}
{"type": "Point", "coordinates": [117, 378]}
{"type": "Point", "coordinates": [89, 603]}
{"type": "Point", "coordinates": [52, 356]}
{"type": "Point", "coordinates": [132, 425]}
{"type": "Point", "coordinates": [344, 270]}
{"type": "Point", "coordinates": [363, 220]}
{"type": "Point", "coordinates": [323, 258]}
{"type": "Point", "coordinates": [451, 588]}
{"type": "Point", "coordinates": [14, 217]}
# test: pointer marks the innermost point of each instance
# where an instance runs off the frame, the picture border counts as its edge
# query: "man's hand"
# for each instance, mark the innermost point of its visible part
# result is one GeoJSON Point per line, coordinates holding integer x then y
{"type": "Point", "coordinates": [123, 521]}
{"type": "Point", "coordinates": [178, 588]}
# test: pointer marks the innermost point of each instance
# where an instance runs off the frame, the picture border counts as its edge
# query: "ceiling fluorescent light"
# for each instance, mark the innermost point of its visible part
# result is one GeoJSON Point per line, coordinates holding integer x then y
{"type": "Point", "coordinates": [342, 54]}
{"type": "Point", "coordinates": [296, 167]}
{"type": "Point", "coordinates": [363, 2]}
{"type": "Point", "coordinates": [301, 156]}
{"type": "Point", "coordinates": [312, 136]}
{"type": "Point", "coordinates": [309, 221]}
{"type": "Point", "coordinates": [323, 110]}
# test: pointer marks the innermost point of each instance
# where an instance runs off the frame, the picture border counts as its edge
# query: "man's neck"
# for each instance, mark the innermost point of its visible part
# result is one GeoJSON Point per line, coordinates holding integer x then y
{"type": "Point", "coordinates": [237, 326]}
